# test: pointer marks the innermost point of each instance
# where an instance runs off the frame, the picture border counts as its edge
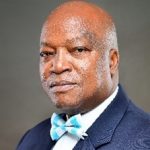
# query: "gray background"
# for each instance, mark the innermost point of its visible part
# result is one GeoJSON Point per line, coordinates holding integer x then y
{"type": "Point", "coordinates": [22, 101]}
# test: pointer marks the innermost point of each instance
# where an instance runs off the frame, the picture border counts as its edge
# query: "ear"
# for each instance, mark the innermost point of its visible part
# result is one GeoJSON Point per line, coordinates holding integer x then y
{"type": "Point", "coordinates": [113, 61]}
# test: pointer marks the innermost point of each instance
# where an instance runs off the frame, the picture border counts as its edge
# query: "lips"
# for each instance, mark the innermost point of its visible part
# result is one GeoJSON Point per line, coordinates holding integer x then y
{"type": "Point", "coordinates": [62, 86]}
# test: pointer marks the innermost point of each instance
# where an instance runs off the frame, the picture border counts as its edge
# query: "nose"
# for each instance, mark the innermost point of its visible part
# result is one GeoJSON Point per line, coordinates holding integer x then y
{"type": "Point", "coordinates": [61, 63]}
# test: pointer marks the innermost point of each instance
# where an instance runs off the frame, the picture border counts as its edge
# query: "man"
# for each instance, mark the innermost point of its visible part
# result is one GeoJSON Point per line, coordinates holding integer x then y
{"type": "Point", "coordinates": [79, 61]}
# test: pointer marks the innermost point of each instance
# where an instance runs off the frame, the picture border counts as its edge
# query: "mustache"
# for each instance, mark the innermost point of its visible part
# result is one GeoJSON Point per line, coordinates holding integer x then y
{"type": "Point", "coordinates": [61, 79]}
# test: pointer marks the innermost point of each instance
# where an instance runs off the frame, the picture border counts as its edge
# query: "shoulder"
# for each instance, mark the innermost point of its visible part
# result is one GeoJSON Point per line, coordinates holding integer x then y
{"type": "Point", "coordinates": [133, 115]}
{"type": "Point", "coordinates": [134, 128]}
{"type": "Point", "coordinates": [35, 135]}
{"type": "Point", "coordinates": [40, 128]}
{"type": "Point", "coordinates": [137, 116]}
{"type": "Point", "coordinates": [139, 119]}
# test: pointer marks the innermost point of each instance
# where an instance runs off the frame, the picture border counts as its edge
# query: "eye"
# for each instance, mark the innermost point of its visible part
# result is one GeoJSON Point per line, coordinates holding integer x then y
{"type": "Point", "coordinates": [80, 49]}
{"type": "Point", "coordinates": [46, 53]}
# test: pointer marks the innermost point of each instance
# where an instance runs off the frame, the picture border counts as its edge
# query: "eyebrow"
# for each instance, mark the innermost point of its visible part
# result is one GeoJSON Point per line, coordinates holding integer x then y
{"type": "Point", "coordinates": [69, 41]}
{"type": "Point", "coordinates": [45, 44]}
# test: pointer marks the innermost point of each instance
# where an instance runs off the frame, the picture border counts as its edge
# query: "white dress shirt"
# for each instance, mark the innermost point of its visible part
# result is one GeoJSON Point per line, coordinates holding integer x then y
{"type": "Point", "coordinates": [68, 141]}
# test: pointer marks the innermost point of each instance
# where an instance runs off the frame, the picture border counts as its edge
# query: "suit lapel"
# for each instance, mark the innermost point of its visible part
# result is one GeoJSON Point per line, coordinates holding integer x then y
{"type": "Point", "coordinates": [102, 130]}
{"type": "Point", "coordinates": [45, 141]}
{"type": "Point", "coordinates": [51, 144]}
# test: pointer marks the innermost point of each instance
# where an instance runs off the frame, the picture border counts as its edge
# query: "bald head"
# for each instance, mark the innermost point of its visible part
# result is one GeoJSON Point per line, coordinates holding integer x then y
{"type": "Point", "coordinates": [86, 18]}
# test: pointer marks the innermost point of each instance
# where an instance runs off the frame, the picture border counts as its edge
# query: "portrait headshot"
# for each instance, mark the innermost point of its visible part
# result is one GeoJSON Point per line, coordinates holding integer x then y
{"type": "Point", "coordinates": [76, 75]}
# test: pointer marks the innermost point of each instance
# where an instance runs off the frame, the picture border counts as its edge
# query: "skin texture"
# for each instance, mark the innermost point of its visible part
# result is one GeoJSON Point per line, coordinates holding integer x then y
{"type": "Point", "coordinates": [79, 56]}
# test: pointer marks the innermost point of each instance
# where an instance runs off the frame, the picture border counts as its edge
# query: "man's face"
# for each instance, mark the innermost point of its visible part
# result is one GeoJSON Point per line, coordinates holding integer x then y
{"type": "Point", "coordinates": [74, 69]}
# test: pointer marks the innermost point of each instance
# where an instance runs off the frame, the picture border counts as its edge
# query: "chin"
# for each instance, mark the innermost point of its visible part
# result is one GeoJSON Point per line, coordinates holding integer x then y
{"type": "Point", "coordinates": [69, 108]}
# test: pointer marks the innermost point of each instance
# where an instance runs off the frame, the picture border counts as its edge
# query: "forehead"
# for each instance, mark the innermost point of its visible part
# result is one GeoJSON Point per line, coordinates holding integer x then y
{"type": "Point", "coordinates": [69, 30]}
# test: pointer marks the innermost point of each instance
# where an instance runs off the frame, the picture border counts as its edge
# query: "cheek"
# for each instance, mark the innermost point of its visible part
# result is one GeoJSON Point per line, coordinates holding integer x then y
{"type": "Point", "coordinates": [90, 73]}
{"type": "Point", "coordinates": [44, 70]}
{"type": "Point", "coordinates": [92, 79]}
{"type": "Point", "coordinates": [43, 76]}
{"type": "Point", "coordinates": [41, 71]}
{"type": "Point", "coordinates": [94, 74]}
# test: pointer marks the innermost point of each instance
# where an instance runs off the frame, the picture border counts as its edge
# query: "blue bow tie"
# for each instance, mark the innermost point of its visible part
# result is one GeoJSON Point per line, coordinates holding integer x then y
{"type": "Point", "coordinates": [73, 126]}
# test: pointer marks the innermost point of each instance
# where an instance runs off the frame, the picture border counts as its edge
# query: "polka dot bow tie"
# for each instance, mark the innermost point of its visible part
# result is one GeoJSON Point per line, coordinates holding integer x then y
{"type": "Point", "coordinates": [73, 126]}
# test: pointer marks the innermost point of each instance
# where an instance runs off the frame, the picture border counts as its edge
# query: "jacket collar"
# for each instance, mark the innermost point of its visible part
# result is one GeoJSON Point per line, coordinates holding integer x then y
{"type": "Point", "coordinates": [102, 130]}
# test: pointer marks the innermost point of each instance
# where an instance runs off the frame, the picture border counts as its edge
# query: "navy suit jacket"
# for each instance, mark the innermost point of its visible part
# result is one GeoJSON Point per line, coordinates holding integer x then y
{"type": "Point", "coordinates": [122, 126]}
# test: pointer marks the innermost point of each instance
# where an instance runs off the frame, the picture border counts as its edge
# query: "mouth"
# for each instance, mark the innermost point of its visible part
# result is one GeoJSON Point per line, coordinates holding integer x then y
{"type": "Point", "coordinates": [62, 86]}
